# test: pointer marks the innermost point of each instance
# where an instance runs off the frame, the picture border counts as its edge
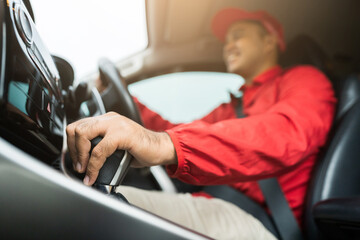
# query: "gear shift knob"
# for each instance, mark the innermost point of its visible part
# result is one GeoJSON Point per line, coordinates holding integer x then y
{"type": "Point", "coordinates": [115, 167]}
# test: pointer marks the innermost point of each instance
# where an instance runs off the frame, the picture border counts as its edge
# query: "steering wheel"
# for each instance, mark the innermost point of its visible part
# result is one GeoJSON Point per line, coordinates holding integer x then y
{"type": "Point", "coordinates": [116, 96]}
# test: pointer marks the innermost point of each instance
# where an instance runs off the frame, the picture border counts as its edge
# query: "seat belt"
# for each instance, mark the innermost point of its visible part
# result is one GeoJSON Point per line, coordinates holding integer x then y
{"type": "Point", "coordinates": [281, 213]}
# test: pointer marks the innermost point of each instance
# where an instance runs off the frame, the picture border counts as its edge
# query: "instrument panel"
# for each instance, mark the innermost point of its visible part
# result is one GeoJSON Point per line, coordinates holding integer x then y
{"type": "Point", "coordinates": [32, 112]}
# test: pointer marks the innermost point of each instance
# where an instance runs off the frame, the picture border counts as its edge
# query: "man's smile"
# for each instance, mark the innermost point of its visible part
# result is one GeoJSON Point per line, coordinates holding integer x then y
{"type": "Point", "coordinates": [232, 57]}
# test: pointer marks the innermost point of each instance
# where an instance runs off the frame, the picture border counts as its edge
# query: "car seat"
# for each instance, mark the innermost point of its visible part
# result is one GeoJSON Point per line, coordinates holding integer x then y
{"type": "Point", "coordinates": [303, 50]}
{"type": "Point", "coordinates": [337, 172]}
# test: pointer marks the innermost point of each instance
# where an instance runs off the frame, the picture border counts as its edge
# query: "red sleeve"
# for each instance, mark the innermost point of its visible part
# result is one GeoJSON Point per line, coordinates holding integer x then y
{"type": "Point", "coordinates": [151, 119]}
{"type": "Point", "coordinates": [155, 122]}
{"type": "Point", "coordinates": [262, 145]}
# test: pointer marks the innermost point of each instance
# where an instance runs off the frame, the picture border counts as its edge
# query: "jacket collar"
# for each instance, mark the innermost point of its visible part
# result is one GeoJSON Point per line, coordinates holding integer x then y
{"type": "Point", "coordinates": [268, 74]}
{"type": "Point", "coordinates": [264, 76]}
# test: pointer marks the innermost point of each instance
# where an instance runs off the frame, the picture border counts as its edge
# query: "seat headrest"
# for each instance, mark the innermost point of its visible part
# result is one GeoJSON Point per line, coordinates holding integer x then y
{"type": "Point", "coordinates": [303, 50]}
{"type": "Point", "coordinates": [348, 93]}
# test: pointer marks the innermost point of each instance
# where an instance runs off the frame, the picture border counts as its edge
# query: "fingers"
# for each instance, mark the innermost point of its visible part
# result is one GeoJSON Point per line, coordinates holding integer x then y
{"type": "Point", "coordinates": [118, 132]}
{"type": "Point", "coordinates": [100, 153]}
{"type": "Point", "coordinates": [79, 135]}
{"type": "Point", "coordinates": [84, 132]}
{"type": "Point", "coordinates": [70, 132]}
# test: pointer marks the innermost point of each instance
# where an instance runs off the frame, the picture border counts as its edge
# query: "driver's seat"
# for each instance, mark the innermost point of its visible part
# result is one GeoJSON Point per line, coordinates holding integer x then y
{"type": "Point", "coordinates": [337, 170]}
{"type": "Point", "coordinates": [337, 173]}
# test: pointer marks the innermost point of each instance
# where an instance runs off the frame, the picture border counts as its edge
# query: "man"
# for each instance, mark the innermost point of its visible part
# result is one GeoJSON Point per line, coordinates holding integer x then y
{"type": "Point", "coordinates": [288, 115]}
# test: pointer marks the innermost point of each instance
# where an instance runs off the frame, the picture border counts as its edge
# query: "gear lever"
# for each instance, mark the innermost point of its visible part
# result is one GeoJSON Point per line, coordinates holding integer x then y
{"type": "Point", "coordinates": [114, 169]}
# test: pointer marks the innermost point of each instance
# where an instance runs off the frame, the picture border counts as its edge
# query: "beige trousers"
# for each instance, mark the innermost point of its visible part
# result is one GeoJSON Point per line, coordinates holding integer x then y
{"type": "Point", "coordinates": [212, 217]}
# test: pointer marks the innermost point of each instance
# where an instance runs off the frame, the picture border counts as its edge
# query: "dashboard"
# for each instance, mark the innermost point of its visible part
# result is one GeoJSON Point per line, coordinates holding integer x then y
{"type": "Point", "coordinates": [32, 106]}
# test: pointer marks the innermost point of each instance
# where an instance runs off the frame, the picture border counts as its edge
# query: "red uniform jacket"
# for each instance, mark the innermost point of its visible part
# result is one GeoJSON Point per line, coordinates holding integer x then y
{"type": "Point", "coordinates": [289, 114]}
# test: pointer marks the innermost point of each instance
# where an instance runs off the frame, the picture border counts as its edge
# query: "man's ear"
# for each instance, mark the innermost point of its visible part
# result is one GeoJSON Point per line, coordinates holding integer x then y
{"type": "Point", "coordinates": [270, 42]}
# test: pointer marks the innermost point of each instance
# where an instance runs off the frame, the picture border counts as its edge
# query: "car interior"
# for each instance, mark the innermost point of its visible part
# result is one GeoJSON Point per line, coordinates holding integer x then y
{"type": "Point", "coordinates": [43, 197]}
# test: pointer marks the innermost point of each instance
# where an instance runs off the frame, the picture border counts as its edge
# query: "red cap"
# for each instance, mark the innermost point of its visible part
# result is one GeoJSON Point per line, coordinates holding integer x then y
{"type": "Point", "coordinates": [224, 18]}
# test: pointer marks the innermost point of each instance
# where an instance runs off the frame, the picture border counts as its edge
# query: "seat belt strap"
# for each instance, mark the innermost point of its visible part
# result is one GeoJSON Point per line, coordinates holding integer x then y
{"type": "Point", "coordinates": [239, 108]}
{"type": "Point", "coordinates": [281, 213]}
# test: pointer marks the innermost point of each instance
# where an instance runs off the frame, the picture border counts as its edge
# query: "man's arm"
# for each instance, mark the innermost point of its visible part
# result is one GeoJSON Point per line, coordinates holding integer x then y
{"type": "Point", "coordinates": [261, 145]}
{"type": "Point", "coordinates": [155, 122]}
{"type": "Point", "coordinates": [151, 119]}
{"type": "Point", "coordinates": [148, 148]}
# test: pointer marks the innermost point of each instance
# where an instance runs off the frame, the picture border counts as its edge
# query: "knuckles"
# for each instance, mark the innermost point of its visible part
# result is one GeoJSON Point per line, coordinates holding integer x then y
{"type": "Point", "coordinates": [93, 168]}
{"type": "Point", "coordinates": [97, 152]}
{"type": "Point", "coordinates": [81, 129]}
{"type": "Point", "coordinates": [111, 113]}
{"type": "Point", "coordinates": [70, 129]}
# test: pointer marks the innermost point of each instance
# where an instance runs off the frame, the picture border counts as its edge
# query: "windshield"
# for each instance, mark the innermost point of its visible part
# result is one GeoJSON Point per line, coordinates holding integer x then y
{"type": "Point", "coordinates": [83, 31]}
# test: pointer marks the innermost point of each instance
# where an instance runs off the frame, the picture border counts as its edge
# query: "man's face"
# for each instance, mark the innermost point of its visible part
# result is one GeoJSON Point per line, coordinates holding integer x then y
{"type": "Point", "coordinates": [244, 51]}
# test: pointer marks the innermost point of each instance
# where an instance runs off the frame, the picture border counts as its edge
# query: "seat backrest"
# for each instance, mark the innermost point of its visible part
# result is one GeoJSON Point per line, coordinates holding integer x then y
{"type": "Point", "coordinates": [337, 171]}
{"type": "Point", "coordinates": [303, 50]}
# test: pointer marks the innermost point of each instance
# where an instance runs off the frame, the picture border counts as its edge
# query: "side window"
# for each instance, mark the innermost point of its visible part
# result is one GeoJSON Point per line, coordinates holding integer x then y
{"type": "Point", "coordinates": [184, 97]}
